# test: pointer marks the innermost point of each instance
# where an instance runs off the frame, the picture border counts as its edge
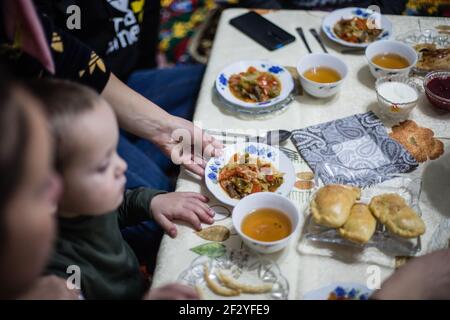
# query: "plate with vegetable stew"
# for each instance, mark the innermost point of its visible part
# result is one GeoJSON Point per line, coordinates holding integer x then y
{"type": "Point", "coordinates": [254, 84]}
{"type": "Point", "coordinates": [356, 27]}
{"type": "Point", "coordinates": [246, 168]}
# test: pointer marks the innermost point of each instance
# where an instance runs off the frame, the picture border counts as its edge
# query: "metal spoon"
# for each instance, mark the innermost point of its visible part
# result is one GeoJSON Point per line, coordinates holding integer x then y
{"type": "Point", "coordinates": [302, 36]}
{"type": "Point", "coordinates": [276, 137]}
{"type": "Point", "coordinates": [272, 137]}
{"type": "Point", "coordinates": [319, 40]}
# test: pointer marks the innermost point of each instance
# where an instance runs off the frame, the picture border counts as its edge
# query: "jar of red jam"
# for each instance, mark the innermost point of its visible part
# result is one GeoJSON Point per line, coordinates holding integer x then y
{"type": "Point", "coordinates": [437, 89]}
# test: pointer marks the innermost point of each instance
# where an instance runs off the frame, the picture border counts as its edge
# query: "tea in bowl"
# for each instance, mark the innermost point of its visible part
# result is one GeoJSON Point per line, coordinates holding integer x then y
{"type": "Point", "coordinates": [390, 58]}
{"type": "Point", "coordinates": [265, 221]}
{"type": "Point", "coordinates": [321, 74]}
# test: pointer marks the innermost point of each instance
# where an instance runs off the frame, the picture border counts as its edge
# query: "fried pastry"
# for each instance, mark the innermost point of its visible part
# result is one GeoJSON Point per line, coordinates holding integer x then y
{"type": "Point", "coordinates": [432, 58]}
{"type": "Point", "coordinates": [419, 141]}
{"type": "Point", "coordinates": [360, 225]}
{"type": "Point", "coordinates": [396, 215]}
{"type": "Point", "coordinates": [231, 283]}
{"type": "Point", "coordinates": [217, 288]}
{"type": "Point", "coordinates": [332, 204]}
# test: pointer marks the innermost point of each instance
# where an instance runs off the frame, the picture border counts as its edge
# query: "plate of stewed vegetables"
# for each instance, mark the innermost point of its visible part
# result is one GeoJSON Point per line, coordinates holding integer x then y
{"type": "Point", "coordinates": [247, 168]}
{"type": "Point", "coordinates": [254, 84]}
{"type": "Point", "coordinates": [356, 27]}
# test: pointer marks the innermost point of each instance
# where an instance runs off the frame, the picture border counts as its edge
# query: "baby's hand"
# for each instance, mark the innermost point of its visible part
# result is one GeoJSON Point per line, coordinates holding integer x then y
{"type": "Point", "coordinates": [189, 207]}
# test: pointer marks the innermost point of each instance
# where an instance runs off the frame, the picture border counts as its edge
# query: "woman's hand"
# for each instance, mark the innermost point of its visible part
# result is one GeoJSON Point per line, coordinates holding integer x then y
{"type": "Point", "coordinates": [172, 291]}
{"type": "Point", "coordinates": [143, 118]}
{"type": "Point", "coordinates": [187, 144]}
{"type": "Point", "coordinates": [189, 207]}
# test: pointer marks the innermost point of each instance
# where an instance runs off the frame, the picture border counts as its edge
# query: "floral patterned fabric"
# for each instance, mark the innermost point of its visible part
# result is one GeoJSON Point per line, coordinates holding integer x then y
{"type": "Point", "coordinates": [179, 20]}
{"type": "Point", "coordinates": [438, 8]}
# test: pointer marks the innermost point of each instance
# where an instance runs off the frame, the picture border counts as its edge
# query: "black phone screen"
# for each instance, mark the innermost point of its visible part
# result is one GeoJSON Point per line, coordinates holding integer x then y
{"type": "Point", "coordinates": [262, 30]}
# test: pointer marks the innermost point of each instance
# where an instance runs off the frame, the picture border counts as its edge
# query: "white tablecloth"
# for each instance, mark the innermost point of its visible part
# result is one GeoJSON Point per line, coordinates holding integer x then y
{"type": "Point", "coordinates": [304, 272]}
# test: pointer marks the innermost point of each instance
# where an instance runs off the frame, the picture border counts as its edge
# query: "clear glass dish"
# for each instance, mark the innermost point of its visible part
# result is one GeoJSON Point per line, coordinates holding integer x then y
{"type": "Point", "coordinates": [245, 267]}
{"type": "Point", "coordinates": [427, 36]}
{"type": "Point", "coordinates": [405, 186]}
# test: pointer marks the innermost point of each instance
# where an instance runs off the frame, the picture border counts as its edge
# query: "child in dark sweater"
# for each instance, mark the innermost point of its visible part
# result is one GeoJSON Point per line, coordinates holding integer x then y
{"type": "Point", "coordinates": [94, 205]}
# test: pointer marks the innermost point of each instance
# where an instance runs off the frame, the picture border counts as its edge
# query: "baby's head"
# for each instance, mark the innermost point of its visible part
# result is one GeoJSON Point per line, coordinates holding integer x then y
{"type": "Point", "coordinates": [86, 135]}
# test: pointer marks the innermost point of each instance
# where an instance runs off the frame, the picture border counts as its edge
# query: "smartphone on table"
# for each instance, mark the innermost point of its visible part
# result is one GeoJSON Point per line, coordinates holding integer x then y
{"type": "Point", "coordinates": [261, 30]}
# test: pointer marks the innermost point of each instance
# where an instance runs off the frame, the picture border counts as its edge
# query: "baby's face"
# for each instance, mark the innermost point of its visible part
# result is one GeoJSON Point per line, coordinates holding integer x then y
{"type": "Point", "coordinates": [94, 179]}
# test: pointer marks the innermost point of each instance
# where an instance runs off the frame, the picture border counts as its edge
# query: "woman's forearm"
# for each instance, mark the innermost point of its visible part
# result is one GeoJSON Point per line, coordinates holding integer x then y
{"type": "Point", "coordinates": [135, 113]}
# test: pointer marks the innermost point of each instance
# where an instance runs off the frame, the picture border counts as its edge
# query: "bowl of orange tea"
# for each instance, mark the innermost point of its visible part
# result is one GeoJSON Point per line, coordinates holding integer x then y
{"type": "Point", "coordinates": [265, 221]}
{"type": "Point", "coordinates": [390, 58]}
{"type": "Point", "coordinates": [321, 74]}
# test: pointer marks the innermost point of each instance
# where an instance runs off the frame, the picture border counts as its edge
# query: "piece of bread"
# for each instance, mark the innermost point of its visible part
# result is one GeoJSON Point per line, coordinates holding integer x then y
{"type": "Point", "coordinates": [360, 225]}
{"type": "Point", "coordinates": [392, 211]}
{"type": "Point", "coordinates": [419, 141]}
{"type": "Point", "coordinates": [332, 203]}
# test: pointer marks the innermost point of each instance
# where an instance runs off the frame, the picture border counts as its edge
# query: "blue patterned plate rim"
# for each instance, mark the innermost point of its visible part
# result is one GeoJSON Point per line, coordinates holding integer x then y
{"type": "Point", "coordinates": [349, 290]}
{"type": "Point", "coordinates": [260, 150]}
{"type": "Point", "coordinates": [221, 82]}
{"type": "Point", "coordinates": [332, 18]}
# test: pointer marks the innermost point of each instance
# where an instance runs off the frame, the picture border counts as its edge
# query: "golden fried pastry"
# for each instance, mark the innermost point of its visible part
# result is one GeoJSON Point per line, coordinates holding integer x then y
{"type": "Point", "coordinates": [432, 58]}
{"type": "Point", "coordinates": [396, 215]}
{"type": "Point", "coordinates": [231, 283]}
{"type": "Point", "coordinates": [217, 288]}
{"type": "Point", "coordinates": [419, 141]}
{"type": "Point", "coordinates": [332, 204]}
{"type": "Point", "coordinates": [360, 225]}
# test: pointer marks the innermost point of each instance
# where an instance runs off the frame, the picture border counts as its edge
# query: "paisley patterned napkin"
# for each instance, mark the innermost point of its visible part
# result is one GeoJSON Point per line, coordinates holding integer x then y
{"type": "Point", "coordinates": [355, 150]}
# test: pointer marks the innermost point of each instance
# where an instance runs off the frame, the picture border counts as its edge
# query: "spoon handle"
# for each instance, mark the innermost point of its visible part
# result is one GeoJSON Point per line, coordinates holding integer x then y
{"type": "Point", "coordinates": [302, 35]}
{"type": "Point", "coordinates": [319, 40]}
{"type": "Point", "coordinates": [353, 50]}
{"type": "Point", "coordinates": [224, 133]}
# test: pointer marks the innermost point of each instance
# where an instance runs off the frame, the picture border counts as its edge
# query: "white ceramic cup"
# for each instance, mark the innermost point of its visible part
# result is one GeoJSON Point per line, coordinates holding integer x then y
{"type": "Point", "coordinates": [262, 200]}
{"type": "Point", "coordinates": [313, 60]}
{"type": "Point", "coordinates": [390, 46]}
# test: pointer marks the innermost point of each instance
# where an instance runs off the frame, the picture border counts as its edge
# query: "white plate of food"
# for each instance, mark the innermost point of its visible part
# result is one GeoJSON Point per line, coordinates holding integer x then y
{"type": "Point", "coordinates": [254, 84]}
{"type": "Point", "coordinates": [246, 168]}
{"type": "Point", "coordinates": [356, 27]}
{"type": "Point", "coordinates": [340, 291]}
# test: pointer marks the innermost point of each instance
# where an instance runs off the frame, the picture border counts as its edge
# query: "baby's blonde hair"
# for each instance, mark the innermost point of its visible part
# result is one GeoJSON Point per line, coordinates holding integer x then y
{"type": "Point", "coordinates": [63, 101]}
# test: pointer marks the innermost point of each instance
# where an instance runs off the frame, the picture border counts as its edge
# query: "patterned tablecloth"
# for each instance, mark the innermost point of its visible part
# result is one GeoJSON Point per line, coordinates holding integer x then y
{"type": "Point", "coordinates": [304, 269]}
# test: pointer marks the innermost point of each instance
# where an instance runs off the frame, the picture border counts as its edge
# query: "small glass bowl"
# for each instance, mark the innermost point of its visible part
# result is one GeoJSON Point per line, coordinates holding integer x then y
{"type": "Point", "coordinates": [435, 100]}
{"type": "Point", "coordinates": [394, 109]}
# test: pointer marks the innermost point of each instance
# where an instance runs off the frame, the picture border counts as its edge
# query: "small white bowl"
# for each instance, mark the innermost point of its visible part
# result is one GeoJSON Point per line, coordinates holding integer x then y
{"type": "Point", "coordinates": [265, 200]}
{"type": "Point", "coordinates": [313, 60]}
{"type": "Point", "coordinates": [390, 46]}
{"type": "Point", "coordinates": [395, 109]}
